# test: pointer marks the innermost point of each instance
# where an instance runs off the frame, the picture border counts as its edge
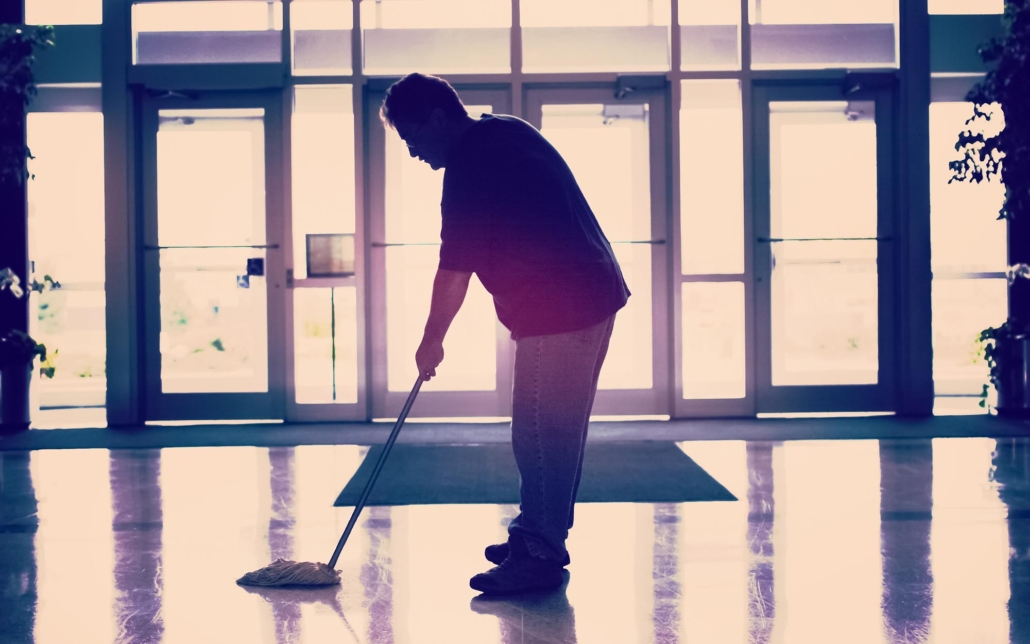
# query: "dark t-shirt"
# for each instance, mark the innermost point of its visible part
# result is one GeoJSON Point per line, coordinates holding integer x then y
{"type": "Point", "coordinates": [514, 215]}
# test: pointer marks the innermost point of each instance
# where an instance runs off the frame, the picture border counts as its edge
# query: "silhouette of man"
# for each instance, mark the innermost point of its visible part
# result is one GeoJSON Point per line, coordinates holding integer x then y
{"type": "Point", "coordinates": [513, 214]}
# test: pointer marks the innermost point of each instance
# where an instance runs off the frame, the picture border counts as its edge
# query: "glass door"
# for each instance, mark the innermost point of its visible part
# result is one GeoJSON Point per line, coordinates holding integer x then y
{"type": "Point", "coordinates": [212, 263]}
{"type": "Point", "coordinates": [404, 233]}
{"type": "Point", "coordinates": [616, 148]}
{"type": "Point", "coordinates": [823, 259]}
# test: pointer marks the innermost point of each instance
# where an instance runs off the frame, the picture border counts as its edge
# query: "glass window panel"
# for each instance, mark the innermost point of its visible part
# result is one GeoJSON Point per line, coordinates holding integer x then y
{"type": "Point", "coordinates": [824, 313]}
{"type": "Point", "coordinates": [470, 348]}
{"type": "Point", "coordinates": [817, 34]}
{"type": "Point", "coordinates": [66, 241]}
{"type": "Point", "coordinates": [215, 31]}
{"type": "Point", "coordinates": [712, 177]}
{"type": "Point", "coordinates": [325, 345]}
{"type": "Point", "coordinates": [321, 31]}
{"type": "Point", "coordinates": [709, 34]}
{"type": "Point", "coordinates": [323, 166]}
{"type": "Point", "coordinates": [821, 152]}
{"type": "Point", "coordinates": [713, 340]}
{"type": "Point", "coordinates": [962, 308]}
{"type": "Point", "coordinates": [812, 12]}
{"type": "Point", "coordinates": [966, 233]}
{"type": "Point", "coordinates": [956, 7]}
{"type": "Point", "coordinates": [211, 192]}
{"type": "Point", "coordinates": [63, 12]}
{"type": "Point", "coordinates": [607, 149]}
{"type": "Point", "coordinates": [582, 35]}
{"type": "Point", "coordinates": [436, 36]}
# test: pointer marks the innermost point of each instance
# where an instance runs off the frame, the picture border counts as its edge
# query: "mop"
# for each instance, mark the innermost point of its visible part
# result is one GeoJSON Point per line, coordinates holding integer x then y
{"type": "Point", "coordinates": [283, 572]}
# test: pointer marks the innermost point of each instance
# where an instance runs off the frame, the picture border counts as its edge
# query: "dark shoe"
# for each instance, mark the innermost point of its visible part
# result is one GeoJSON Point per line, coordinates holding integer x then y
{"type": "Point", "coordinates": [497, 553]}
{"type": "Point", "coordinates": [519, 574]}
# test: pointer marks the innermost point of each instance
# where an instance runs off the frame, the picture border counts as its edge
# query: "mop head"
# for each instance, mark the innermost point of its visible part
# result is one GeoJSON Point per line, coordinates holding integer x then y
{"type": "Point", "coordinates": [291, 573]}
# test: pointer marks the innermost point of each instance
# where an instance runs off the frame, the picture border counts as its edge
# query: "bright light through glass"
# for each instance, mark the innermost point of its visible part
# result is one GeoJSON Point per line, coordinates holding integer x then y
{"type": "Point", "coordinates": [435, 14]}
{"type": "Point", "coordinates": [608, 151]}
{"type": "Point", "coordinates": [956, 7]}
{"type": "Point", "coordinates": [211, 192]}
{"type": "Point", "coordinates": [214, 15]}
{"type": "Point", "coordinates": [63, 12]}
{"type": "Point", "coordinates": [802, 12]}
{"type": "Point", "coordinates": [713, 340]}
{"type": "Point", "coordinates": [323, 166]}
{"type": "Point", "coordinates": [595, 13]}
{"type": "Point", "coordinates": [824, 292]}
{"type": "Point", "coordinates": [66, 242]}
{"type": "Point", "coordinates": [712, 178]}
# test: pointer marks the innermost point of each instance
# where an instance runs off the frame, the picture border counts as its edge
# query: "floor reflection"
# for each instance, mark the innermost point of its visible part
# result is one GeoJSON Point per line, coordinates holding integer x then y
{"type": "Point", "coordinates": [137, 524]}
{"type": "Point", "coordinates": [761, 514]}
{"type": "Point", "coordinates": [18, 523]}
{"type": "Point", "coordinates": [1012, 473]}
{"type": "Point", "coordinates": [894, 541]}
{"type": "Point", "coordinates": [536, 618]}
{"type": "Point", "coordinates": [906, 503]}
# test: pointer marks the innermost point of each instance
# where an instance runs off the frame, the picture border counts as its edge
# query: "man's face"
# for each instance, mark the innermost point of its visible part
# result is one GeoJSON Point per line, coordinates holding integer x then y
{"type": "Point", "coordinates": [425, 139]}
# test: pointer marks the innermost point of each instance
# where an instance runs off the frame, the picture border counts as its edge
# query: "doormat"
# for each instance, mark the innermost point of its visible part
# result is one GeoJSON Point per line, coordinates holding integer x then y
{"type": "Point", "coordinates": [613, 472]}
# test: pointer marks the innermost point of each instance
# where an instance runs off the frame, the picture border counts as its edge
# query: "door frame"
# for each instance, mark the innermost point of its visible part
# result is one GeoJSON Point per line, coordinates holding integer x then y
{"type": "Point", "coordinates": [879, 397]}
{"type": "Point", "coordinates": [658, 400]}
{"type": "Point", "coordinates": [383, 403]}
{"type": "Point", "coordinates": [159, 406]}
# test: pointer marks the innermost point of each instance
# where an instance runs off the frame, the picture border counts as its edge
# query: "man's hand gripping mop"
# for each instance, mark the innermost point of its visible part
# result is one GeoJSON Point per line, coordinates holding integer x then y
{"type": "Point", "coordinates": [302, 573]}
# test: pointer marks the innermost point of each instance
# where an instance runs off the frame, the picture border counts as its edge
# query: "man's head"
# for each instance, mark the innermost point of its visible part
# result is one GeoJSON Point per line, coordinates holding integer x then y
{"type": "Point", "coordinates": [427, 114]}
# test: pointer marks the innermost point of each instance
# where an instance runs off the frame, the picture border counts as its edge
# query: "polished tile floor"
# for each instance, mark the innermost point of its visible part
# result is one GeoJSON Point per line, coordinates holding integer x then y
{"type": "Point", "coordinates": [866, 541]}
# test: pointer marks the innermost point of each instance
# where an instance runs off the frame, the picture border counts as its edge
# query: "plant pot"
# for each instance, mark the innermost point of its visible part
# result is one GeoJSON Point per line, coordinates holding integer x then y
{"type": "Point", "coordinates": [1012, 353]}
{"type": "Point", "coordinates": [15, 384]}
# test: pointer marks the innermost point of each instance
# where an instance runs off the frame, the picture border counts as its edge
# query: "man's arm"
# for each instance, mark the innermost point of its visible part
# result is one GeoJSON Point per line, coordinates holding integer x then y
{"type": "Point", "coordinates": [449, 288]}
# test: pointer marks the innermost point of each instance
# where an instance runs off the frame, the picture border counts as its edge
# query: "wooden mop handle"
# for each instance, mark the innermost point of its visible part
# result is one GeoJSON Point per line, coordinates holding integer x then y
{"type": "Point", "coordinates": [375, 471]}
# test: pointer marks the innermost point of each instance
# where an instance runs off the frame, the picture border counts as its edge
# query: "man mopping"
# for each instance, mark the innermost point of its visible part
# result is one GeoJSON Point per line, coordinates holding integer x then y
{"type": "Point", "coordinates": [514, 215]}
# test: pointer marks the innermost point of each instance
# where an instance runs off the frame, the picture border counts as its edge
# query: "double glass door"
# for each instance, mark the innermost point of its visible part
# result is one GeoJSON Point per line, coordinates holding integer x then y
{"type": "Point", "coordinates": [818, 316]}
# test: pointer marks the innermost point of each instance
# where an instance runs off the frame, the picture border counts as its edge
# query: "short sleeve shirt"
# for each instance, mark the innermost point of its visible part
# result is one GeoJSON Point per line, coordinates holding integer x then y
{"type": "Point", "coordinates": [514, 215]}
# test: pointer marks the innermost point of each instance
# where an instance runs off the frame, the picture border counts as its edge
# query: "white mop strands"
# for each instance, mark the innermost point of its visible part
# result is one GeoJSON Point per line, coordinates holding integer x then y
{"type": "Point", "coordinates": [283, 572]}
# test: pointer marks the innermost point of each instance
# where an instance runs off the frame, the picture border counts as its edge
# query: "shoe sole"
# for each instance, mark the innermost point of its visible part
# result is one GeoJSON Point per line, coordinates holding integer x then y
{"type": "Point", "coordinates": [498, 561]}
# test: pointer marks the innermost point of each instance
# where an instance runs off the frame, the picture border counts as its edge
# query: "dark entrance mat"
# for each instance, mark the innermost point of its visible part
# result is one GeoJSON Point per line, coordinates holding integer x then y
{"type": "Point", "coordinates": [613, 472]}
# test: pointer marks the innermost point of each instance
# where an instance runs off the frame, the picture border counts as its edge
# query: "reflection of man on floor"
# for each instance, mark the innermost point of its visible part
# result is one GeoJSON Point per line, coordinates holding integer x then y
{"type": "Point", "coordinates": [514, 215]}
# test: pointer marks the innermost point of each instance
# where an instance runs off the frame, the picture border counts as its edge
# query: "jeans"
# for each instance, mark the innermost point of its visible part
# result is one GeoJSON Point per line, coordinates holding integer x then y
{"type": "Point", "coordinates": [555, 382]}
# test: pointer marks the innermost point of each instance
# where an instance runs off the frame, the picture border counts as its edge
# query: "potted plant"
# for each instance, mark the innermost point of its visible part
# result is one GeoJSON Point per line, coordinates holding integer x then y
{"type": "Point", "coordinates": [18, 353]}
{"type": "Point", "coordinates": [1005, 157]}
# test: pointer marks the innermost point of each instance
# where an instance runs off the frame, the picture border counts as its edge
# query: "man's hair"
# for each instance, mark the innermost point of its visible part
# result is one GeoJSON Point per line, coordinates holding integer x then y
{"type": "Point", "coordinates": [413, 97]}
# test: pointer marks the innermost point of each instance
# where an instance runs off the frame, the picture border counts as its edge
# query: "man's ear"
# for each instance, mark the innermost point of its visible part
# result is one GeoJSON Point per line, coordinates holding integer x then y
{"type": "Point", "coordinates": [438, 117]}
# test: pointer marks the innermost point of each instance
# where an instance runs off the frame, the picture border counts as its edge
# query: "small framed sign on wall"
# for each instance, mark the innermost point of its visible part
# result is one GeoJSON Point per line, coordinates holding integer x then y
{"type": "Point", "coordinates": [330, 254]}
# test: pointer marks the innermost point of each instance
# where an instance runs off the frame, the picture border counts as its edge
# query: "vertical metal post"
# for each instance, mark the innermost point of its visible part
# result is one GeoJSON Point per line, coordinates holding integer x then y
{"type": "Point", "coordinates": [915, 391]}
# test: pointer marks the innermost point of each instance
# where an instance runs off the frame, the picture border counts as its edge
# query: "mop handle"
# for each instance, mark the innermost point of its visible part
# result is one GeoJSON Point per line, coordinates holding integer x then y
{"type": "Point", "coordinates": [375, 472]}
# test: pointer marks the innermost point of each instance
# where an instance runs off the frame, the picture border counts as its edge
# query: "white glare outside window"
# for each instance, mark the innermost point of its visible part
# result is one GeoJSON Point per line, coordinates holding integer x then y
{"type": "Point", "coordinates": [66, 242]}
{"type": "Point", "coordinates": [436, 36]}
{"type": "Point", "coordinates": [965, 7]}
{"type": "Point", "coordinates": [63, 12]}
{"type": "Point", "coordinates": [599, 35]}
{"type": "Point", "coordinates": [219, 31]}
